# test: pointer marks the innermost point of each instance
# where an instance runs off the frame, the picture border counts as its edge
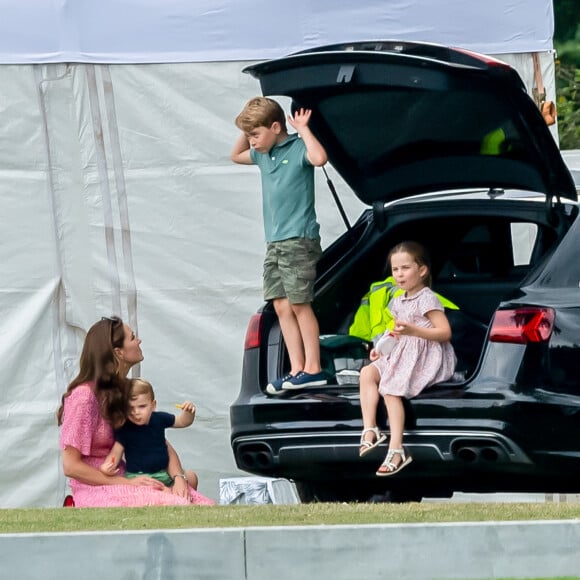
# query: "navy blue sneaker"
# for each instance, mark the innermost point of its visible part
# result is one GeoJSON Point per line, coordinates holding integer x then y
{"type": "Point", "coordinates": [275, 387]}
{"type": "Point", "coordinates": [302, 379]}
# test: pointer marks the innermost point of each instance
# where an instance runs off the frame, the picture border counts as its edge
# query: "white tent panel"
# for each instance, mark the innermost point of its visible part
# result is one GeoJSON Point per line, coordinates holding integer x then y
{"type": "Point", "coordinates": [149, 31]}
{"type": "Point", "coordinates": [118, 197]}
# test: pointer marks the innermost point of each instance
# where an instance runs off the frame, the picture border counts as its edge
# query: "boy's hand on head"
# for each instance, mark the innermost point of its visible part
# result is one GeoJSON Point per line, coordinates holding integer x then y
{"type": "Point", "coordinates": [315, 152]}
{"type": "Point", "coordinates": [301, 119]}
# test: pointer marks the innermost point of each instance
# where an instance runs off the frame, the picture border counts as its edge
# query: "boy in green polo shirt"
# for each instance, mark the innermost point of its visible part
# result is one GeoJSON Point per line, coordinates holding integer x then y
{"type": "Point", "coordinates": [286, 164]}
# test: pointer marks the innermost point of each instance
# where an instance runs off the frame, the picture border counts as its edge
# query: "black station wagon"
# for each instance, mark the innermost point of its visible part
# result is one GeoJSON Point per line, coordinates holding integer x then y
{"type": "Point", "coordinates": [446, 148]}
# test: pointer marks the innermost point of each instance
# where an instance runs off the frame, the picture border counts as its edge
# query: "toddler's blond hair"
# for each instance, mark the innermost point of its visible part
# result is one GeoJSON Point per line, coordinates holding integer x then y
{"type": "Point", "coordinates": [140, 387]}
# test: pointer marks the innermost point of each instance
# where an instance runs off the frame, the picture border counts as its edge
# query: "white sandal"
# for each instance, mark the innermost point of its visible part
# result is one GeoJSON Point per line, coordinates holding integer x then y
{"type": "Point", "coordinates": [388, 462]}
{"type": "Point", "coordinates": [368, 446]}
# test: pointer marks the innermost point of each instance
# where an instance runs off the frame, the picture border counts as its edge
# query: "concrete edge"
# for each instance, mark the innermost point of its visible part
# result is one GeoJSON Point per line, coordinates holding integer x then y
{"type": "Point", "coordinates": [445, 551]}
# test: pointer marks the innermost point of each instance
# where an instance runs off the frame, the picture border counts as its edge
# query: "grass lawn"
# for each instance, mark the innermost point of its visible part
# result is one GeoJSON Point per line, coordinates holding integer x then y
{"type": "Point", "coordinates": [87, 519]}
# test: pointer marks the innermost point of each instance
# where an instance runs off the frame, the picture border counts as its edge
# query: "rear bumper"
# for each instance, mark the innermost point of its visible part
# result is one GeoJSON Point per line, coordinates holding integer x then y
{"type": "Point", "coordinates": [315, 455]}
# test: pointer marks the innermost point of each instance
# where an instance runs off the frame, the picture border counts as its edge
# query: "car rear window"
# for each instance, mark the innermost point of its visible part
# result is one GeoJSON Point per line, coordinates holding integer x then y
{"type": "Point", "coordinates": [384, 126]}
{"type": "Point", "coordinates": [493, 249]}
{"type": "Point", "coordinates": [524, 236]}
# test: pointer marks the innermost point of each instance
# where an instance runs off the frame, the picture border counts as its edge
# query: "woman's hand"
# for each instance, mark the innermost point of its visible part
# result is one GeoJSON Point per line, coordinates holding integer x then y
{"type": "Point", "coordinates": [180, 487]}
{"type": "Point", "coordinates": [179, 483]}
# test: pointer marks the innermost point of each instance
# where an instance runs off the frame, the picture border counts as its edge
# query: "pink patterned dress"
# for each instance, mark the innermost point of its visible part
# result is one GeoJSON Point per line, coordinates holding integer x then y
{"type": "Point", "coordinates": [415, 363]}
{"type": "Point", "coordinates": [84, 429]}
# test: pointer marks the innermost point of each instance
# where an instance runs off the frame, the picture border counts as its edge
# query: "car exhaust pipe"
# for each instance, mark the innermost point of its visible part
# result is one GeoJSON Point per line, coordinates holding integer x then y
{"type": "Point", "coordinates": [255, 456]}
{"type": "Point", "coordinates": [264, 459]}
{"type": "Point", "coordinates": [476, 454]}
{"type": "Point", "coordinates": [490, 454]}
{"type": "Point", "coordinates": [468, 454]}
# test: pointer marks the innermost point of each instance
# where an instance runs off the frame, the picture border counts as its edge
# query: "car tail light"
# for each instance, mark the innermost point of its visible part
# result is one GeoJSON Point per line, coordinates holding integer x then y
{"type": "Point", "coordinates": [253, 332]}
{"type": "Point", "coordinates": [488, 60]}
{"type": "Point", "coordinates": [522, 325]}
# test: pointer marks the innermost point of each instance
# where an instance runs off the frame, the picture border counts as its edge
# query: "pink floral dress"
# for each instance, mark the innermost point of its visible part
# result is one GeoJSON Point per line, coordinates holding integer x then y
{"type": "Point", "coordinates": [84, 429]}
{"type": "Point", "coordinates": [415, 363]}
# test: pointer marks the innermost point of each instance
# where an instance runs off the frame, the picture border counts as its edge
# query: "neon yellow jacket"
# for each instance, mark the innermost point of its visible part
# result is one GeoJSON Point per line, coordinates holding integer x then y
{"type": "Point", "coordinates": [373, 316]}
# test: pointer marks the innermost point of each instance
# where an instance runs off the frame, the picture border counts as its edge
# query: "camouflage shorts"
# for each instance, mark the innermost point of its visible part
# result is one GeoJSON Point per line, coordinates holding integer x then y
{"type": "Point", "coordinates": [290, 269]}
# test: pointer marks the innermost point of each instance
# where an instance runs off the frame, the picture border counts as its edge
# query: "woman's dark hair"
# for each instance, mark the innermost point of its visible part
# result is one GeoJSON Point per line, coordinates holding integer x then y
{"type": "Point", "coordinates": [99, 364]}
{"type": "Point", "coordinates": [419, 254]}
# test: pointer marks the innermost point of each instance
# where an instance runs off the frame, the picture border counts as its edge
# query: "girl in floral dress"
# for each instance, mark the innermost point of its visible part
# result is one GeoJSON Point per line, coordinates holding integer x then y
{"type": "Point", "coordinates": [94, 404]}
{"type": "Point", "coordinates": [421, 354]}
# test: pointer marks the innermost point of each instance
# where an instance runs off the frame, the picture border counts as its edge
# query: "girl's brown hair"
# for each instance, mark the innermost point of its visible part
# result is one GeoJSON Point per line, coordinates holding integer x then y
{"type": "Point", "coordinates": [99, 364]}
{"type": "Point", "coordinates": [419, 254]}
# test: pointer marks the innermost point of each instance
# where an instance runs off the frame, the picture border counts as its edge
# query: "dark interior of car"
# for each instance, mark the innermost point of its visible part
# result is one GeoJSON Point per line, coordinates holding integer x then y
{"type": "Point", "coordinates": [477, 261]}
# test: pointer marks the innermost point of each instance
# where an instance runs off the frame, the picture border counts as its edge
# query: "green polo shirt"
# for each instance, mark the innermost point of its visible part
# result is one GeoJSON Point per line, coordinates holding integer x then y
{"type": "Point", "coordinates": [287, 191]}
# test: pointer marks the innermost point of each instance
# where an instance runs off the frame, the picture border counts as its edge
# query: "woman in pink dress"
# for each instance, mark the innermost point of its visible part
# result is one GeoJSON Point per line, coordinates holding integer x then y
{"type": "Point", "coordinates": [418, 354]}
{"type": "Point", "coordinates": [93, 405]}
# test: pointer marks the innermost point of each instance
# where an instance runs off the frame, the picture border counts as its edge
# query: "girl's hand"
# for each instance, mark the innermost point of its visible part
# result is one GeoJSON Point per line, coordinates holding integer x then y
{"type": "Point", "coordinates": [439, 332]}
{"type": "Point", "coordinates": [404, 328]}
{"type": "Point", "coordinates": [374, 355]}
{"type": "Point", "coordinates": [301, 119]}
{"type": "Point", "coordinates": [145, 481]}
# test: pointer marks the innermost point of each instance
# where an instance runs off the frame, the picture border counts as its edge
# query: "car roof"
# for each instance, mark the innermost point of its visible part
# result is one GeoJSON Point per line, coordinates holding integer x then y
{"type": "Point", "coordinates": [400, 119]}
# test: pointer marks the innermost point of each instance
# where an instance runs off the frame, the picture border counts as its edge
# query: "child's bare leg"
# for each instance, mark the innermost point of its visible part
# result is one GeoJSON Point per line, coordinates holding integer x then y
{"type": "Point", "coordinates": [310, 336]}
{"type": "Point", "coordinates": [396, 414]}
{"type": "Point", "coordinates": [191, 478]}
{"type": "Point", "coordinates": [369, 399]}
{"type": "Point", "coordinates": [291, 334]}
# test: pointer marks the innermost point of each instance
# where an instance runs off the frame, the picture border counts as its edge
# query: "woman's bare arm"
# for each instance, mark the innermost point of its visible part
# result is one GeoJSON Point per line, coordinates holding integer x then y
{"type": "Point", "coordinates": [75, 468]}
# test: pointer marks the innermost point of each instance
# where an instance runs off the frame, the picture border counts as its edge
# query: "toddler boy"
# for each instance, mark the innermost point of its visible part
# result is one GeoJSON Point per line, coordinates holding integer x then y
{"type": "Point", "coordinates": [142, 437]}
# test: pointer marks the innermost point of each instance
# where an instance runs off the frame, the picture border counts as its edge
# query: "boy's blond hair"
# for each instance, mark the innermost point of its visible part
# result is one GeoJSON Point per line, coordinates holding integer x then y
{"type": "Point", "coordinates": [140, 387]}
{"type": "Point", "coordinates": [260, 112]}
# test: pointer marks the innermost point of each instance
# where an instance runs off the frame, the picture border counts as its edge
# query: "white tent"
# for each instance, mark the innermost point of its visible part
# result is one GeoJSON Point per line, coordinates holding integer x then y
{"type": "Point", "coordinates": [117, 195]}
